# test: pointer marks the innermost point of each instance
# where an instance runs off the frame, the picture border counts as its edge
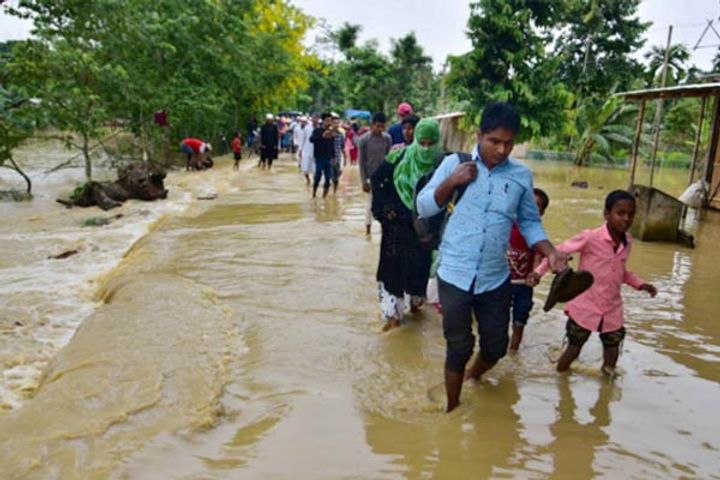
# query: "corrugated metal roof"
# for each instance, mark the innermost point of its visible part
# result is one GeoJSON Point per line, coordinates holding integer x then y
{"type": "Point", "coordinates": [694, 90]}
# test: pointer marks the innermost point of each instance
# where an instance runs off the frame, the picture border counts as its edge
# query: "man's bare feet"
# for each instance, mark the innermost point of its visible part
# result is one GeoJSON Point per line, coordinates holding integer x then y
{"type": "Point", "coordinates": [453, 387]}
{"type": "Point", "coordinates": [390, 324]}
{"type": "Point", "coordinates": [479, 367]}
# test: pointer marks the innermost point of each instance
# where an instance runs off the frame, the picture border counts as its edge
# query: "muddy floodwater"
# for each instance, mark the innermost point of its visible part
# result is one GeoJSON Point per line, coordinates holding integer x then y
{"type": "Point", "coordinates": [239, 338]}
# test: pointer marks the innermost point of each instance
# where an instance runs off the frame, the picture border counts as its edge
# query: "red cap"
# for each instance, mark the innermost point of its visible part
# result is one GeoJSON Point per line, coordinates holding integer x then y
{"type": "Point", "coordinates": [404, 109]}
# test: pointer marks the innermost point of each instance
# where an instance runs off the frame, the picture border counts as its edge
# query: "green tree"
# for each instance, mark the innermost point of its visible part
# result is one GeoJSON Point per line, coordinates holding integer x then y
{"type": "Point", "coordinates": [596, 41]}
{"type": "Point", "coordinates": [510, 62]}
{"type": "Point", "coordinates": [413, 78]}
{"type": "Point", "coordinates": [367, 78]}
{"type": "Point", "coordinates": [208, 64]}
{"type": "Point", "coordinates": [68, 81]}
{"type": "Point", "coordinates": [16, 114]}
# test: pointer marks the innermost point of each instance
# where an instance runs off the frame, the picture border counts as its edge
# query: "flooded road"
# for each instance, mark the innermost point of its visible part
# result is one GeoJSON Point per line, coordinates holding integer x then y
{"type": "Point", "coordinates": [240, 339]}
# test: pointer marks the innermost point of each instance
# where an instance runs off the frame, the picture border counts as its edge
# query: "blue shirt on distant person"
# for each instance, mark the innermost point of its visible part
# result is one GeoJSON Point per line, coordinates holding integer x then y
{"type": "Point", "coordinates": [396, 133]}
{"type": "Point", "coordinates": [472, 251]}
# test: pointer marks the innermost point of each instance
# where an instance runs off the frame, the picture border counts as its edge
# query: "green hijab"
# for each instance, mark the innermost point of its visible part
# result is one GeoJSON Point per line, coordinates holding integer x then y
{"type": "Point", "coordinates": [416, 161]}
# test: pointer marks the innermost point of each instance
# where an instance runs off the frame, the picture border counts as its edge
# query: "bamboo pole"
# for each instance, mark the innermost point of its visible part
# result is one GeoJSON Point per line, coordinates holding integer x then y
{"type": "Point", "coordinates": [659, 109]}
{"type": "Point", "coordinates": [636, 141]}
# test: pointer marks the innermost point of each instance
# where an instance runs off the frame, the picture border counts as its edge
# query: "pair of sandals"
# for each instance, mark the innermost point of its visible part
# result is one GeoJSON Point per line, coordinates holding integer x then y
{"type": "Point", "coordinates": [567, 285]}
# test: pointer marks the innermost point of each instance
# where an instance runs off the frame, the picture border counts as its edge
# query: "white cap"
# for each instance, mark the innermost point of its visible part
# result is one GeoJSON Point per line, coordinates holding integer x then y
{"type": "Point", "coordinates": [208, 147]}
{"type": "Point", "coordinates": [269, 116]}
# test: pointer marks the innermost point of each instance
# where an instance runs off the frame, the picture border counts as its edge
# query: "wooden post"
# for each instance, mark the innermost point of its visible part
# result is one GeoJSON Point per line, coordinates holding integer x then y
{"type": "Point", "coordinates": [713, 152]}
{"type": "Point", "coordinates": [696, 145]}
{"type": "Point", "coordinates": [658, 110]}
{"type": "Point", "coordinates": [443, 101]}
{"type": "Point", "coordinates": [636, 141]}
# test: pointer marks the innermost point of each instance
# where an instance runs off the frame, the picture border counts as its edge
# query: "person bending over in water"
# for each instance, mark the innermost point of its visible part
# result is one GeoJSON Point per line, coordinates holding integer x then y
{"type": "Point", "coordinates": [603, 252]}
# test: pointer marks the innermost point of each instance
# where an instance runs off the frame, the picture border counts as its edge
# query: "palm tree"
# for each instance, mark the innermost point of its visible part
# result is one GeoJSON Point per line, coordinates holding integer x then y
{"type": "Point", "coordinates": [716, 62]}
{"type": "Point", "coordinates": [346, 38]}
{"type": "Point", "coordinates": [677, 58]}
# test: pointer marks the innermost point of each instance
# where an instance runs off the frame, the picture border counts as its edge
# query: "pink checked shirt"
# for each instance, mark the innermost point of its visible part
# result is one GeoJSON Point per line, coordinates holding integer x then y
{"type": "Point", "coordinates": [600, 308]}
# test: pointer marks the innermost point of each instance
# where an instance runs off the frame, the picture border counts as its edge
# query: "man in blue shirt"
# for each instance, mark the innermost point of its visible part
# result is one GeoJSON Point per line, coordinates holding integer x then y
{"type": "Point", "coordinates": [473, 276]}
{"type": "Point", "coordinates": [404, 110]}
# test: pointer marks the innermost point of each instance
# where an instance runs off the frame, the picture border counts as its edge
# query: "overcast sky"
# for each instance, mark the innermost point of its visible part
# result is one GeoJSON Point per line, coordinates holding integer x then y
{"type": "Point", "coordinates": [440, 24]}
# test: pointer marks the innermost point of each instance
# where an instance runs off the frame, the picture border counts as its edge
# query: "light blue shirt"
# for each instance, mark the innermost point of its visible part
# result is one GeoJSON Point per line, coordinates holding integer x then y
{"type": "Point", "coordinates": [477, 234]}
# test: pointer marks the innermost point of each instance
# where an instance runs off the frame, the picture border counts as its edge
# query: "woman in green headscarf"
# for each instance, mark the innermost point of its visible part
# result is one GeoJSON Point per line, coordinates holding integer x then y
{"type": "Point", "coordinates": [404, 265]}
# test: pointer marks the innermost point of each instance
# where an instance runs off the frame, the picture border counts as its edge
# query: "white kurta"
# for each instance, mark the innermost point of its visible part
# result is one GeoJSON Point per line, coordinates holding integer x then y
{"type": "Point", "coordinates": [298, 135]}
{"type": "Point", "coordinates": [299, 139]}
{"type": "Point", "coordinates": [307, 163]}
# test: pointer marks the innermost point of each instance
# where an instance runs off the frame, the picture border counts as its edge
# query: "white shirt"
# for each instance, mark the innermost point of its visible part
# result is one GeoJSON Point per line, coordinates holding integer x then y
{"type": "Point", "coordinates": [299, 136]}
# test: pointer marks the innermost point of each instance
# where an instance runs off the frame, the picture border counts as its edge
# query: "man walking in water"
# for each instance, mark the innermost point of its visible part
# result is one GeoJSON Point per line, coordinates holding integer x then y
{"type": "Point", "coordinates": [299, 137]}
{"type": "Point", "coordinates": [374, 146]}
{"type": "Point", "coordinates": [307, 158]}
{"type": "Point", "coordinates": [269, 141]}
{"type": "Point", "coordinates": [473, 276]}
{"type": "Point", "coordinates": [323, 140]}
{"type": "Point", "coordinates": [339, 158]}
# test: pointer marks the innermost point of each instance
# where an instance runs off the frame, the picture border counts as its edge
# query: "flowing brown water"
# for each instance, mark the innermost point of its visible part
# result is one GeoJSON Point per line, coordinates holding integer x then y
{"type": "Point", "coordinates": [240, 339]}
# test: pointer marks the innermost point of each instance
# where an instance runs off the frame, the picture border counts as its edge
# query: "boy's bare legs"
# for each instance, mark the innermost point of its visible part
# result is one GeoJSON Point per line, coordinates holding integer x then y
{"type": "Point", "coordinates": [453, 387]}
{"type": "Point", "coordinates": [567, 357]}
{"type": "Point", "coordinates": [517, 335]}
{"type": "Point", "coordinates": [610, 358]}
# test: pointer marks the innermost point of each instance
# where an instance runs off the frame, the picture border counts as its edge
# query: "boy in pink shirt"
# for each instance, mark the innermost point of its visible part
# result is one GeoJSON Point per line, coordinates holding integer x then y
{"type": "Point", "coordinates": [603, 252]}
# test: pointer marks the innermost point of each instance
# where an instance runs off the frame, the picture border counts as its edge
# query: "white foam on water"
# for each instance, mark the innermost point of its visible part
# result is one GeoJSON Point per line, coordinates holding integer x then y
{"type": "Point", "coordinates": [44, 300]}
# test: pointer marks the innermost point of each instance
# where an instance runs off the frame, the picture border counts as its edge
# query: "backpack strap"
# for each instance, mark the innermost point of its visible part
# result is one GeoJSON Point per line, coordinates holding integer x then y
{"type": "Point", "coordinates": [464, 158]}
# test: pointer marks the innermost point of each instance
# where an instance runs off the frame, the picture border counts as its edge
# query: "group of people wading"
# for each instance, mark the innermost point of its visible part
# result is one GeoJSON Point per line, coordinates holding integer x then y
{"type": "Point", "coordinates": [494, 248]}
{"type": "Point", "coordinates": [491, 248]}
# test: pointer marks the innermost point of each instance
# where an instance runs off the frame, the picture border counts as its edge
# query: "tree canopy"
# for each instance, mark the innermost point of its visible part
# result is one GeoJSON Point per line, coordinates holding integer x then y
{"type": "Point", "coordinates": [366, 78]}
{"type": "Point", "coordinates": [212, 64]}
{"type": "Point", "coordinates": [209, 65]}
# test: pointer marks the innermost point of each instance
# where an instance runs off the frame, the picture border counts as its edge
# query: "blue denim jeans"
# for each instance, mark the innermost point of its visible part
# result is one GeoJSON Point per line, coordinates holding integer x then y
{"type": "Point", "coordinates": [522, 303]}
{"type": "Point", "coordinates": [323, 166]}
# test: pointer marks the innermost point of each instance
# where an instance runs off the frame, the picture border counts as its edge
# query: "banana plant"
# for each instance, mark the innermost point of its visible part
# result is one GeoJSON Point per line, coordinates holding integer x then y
{"type": "Point", "coordinates": [604, 127]}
